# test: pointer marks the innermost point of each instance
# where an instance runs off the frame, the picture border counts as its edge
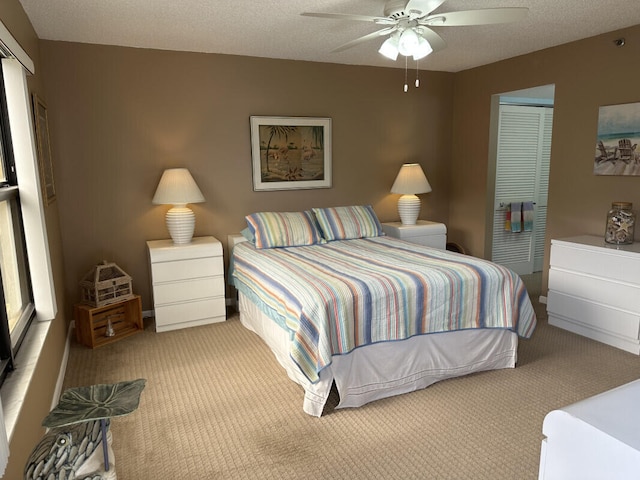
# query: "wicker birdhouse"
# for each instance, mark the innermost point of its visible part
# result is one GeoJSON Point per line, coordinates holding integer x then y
{"type": "Point", "coordinates": [105, 284]}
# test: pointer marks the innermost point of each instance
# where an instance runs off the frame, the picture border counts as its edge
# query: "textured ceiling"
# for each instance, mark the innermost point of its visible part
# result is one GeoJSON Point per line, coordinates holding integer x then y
{"type": "Point", "coordinates": [275, 29]}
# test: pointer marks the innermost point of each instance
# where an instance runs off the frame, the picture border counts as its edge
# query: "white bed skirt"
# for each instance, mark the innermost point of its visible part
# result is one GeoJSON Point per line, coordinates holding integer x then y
{"type": "Point", "coordinates": [386, 369]}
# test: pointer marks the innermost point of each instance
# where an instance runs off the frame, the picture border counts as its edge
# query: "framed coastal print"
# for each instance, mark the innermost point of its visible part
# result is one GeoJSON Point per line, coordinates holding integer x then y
{"type": "Point", "coordinates": [45, 163]}
{"type": "Point", "coordinates": [617, 151]}
{"type": "Point", "coordinates": [290, 153]}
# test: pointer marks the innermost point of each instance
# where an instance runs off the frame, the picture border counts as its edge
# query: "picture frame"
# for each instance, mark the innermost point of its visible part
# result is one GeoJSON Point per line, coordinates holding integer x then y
{"type": "Point", "coordinates": [290, 153]}
{"type": "Point", "coordinates": [617, 151]}
{"type": "Point", "coordinates": [45, 162]}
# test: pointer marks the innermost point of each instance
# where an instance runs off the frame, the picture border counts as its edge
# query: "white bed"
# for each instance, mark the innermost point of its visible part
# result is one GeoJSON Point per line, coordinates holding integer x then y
{"type": "Point", "coordinates": [380, 368]}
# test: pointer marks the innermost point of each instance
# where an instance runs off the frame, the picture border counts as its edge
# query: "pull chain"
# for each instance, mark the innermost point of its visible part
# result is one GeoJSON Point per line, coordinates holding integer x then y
{"type": "Point", "coordinates": [417, 73]}
{"type": "Point", "coordinates": [406, 85]}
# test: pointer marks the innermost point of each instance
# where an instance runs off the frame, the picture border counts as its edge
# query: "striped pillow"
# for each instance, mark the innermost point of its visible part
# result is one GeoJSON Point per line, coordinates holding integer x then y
{"type": "Point", "coordinates": [344, 223]}
{"type": "Point", "coordinates": [283, 229]}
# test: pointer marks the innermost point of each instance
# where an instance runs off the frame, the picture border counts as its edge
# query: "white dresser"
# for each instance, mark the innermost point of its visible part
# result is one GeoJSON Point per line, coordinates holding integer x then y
{"type": "Point", "coordinates": [430, 234]}
{"type": "Point", "coordinates": [188, 283]}
{"type": "Point", "coordinates": [594, 439]}
{"type": "Point", "coordinates": [594, 290]}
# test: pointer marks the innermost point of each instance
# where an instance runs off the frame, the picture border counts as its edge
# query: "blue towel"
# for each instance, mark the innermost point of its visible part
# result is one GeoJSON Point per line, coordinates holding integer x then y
{"type": "Point", "coordinates": [516, 217]}
{"type": "Point", "coordinates": [527, 216]}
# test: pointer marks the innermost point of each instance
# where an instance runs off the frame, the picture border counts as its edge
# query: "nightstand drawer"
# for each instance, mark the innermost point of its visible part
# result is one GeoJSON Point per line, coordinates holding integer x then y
{"type": "Point", "coordinates": [213, 309]}
{"type": "Point", "coordinates": [166, 293]}
{"type": "Point", "coordinates": [185, 269]}
{"type": "Point", "coordinates": [429, 234]}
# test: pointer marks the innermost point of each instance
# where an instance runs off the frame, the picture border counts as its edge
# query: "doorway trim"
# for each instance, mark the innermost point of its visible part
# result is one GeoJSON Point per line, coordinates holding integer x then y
{"type": "Point", "coordinates": [536, 96]}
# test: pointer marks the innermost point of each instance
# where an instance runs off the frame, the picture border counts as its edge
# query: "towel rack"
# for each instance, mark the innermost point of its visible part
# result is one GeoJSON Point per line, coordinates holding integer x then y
{"type": "Point", "coordinates": [505, 205]}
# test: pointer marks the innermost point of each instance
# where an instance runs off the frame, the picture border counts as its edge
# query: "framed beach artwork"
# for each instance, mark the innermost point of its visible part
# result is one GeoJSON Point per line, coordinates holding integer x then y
{"type": "Point", "coordinates": [290, 153]}
{"type": "Point", "coordinates": [617, 151]}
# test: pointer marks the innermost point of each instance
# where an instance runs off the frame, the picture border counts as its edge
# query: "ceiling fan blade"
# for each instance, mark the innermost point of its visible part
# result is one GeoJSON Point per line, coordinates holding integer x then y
{"type": "Point", "coordinates": [349, 16]}
{"type": "Point", "coordinates": [424, 6]}
{"type": "Point", "coordinates": [370, 36]}
{"type": "Point", "coordinates": [435, 40]}
{"type": "Point", "coordinates": [485, 16]}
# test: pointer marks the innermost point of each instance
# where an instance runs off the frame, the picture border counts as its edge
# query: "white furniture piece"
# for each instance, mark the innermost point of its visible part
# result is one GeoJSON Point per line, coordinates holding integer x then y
{"type": "Point", "coordinates": [278, 281]}
{"type": "Point", "coordinates": [594, 290]}
{"type": "Point", "coordinates": [188, 283]}
{"type": "Point", "coordinates": [424, 232]}
{"type": "Point", "coordinates": [597, 438]}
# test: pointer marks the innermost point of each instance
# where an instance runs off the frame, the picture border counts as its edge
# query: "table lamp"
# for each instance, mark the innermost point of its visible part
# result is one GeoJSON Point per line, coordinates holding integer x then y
{"type": "Point", "coordinates": [177, 187]}
{"type": "Point", "coordinates": [410, 181]}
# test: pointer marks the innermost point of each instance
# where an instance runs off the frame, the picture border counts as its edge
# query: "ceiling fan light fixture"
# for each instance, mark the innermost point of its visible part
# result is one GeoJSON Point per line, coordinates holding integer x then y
{"type": "Point", "coordinates": [389, 48]}
{"type": "Point", "coordinates": [423, 49]}
{"type": "Point", "coordinates": [409, 22]}
{"type": "Point", "coordinates": [408, 42]}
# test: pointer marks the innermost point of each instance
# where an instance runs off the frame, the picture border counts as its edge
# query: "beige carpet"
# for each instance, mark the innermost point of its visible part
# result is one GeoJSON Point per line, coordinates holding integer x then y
{"type": "Point", "coordinates": [218, 406]}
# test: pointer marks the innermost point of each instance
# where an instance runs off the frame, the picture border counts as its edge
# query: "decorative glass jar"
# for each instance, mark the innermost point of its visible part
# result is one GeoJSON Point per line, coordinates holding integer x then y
{"type": "Point", "coordinates": [620, 223]}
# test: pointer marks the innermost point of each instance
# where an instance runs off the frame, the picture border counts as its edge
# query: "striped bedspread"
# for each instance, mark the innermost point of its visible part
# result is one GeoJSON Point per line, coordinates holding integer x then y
{"type": "Point", "coordinates": [338, 296]}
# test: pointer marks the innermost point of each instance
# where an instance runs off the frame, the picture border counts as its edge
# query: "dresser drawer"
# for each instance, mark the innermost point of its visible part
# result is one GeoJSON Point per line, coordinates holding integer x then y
{"type": "Point", "coordinates": [178, 313]}
{"type": "Point", "coordinates": [594, 315]}
{"type": "Point", "coordinates": [187, 290]}
{"type": "Point", "coordinates": [185, 269]}
{"type": "Point", "coordinates": [598, 290]}
{"type": "Point", "coordinates": [603, 262]}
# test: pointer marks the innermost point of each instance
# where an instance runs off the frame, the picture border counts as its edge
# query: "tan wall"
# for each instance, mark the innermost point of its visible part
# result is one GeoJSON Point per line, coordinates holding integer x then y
{"type": "Point", "coordinates": [119, 116]}
{"type": "Point", "coordinates": [28, 429]}
{"type": "Point", "coordinates": [587, 74]}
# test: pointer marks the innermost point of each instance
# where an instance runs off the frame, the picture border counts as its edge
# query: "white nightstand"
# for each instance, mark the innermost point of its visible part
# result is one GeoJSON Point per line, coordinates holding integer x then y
{"type": "Point", "coordinates": [188, 283]}
{"type": "Point", "coordinates": [430, 234]}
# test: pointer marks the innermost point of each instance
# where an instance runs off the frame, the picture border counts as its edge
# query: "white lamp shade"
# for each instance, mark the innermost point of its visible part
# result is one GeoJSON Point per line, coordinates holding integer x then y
{"type": "Point", "coordinates": [389, 48]}
{"type": "Point", "coordinates": [410, 180]}
{"type": "Point", "coordinates": [422, 50]}
{"type": "Point", "coordinates": [177, 187]}
{"type": "Point", "coordinates": [408, 42]}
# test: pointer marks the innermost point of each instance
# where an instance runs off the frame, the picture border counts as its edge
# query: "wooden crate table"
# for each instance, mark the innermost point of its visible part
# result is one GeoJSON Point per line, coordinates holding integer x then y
{"type": "Point", "coordinates": [91, 322]}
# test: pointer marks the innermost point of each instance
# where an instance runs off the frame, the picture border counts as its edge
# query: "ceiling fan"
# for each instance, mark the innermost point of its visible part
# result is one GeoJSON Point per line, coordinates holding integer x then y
{"type": "Point", "coordinates": [409, 25]}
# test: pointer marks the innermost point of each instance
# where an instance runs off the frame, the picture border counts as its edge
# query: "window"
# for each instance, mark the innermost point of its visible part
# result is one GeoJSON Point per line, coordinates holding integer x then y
{"type": "Point", "coordinates": [20, 189]}
{"type": "Point", "coordinates": [16, 299]}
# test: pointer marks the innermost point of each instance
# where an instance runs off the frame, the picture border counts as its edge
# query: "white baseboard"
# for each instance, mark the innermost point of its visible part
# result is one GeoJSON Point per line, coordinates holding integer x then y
{"type": "Point", "coordinates": [63, 366]}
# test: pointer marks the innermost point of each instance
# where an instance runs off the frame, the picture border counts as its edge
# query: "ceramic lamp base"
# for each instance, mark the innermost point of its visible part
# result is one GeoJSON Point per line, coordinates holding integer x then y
{"type": "Point", "coordinates": [408, 208]}
{"type": "Point", "coordinates": [181, 222]}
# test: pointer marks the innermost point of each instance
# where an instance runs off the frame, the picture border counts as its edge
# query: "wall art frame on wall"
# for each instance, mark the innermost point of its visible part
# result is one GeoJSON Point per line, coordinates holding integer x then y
{"type": "Point", "coordinates": [618, 138]}
{"type": "Point", "coordinates": [290, 153]}
{"type": "Point", "coordinates": [45, 162]}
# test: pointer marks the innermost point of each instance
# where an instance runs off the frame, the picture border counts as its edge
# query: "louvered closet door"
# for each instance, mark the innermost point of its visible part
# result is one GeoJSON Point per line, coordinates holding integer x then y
{"type": "Point", "coordinates": [522, 174]}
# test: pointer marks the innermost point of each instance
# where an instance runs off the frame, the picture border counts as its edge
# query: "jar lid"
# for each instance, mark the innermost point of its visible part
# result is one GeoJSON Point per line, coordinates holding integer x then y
{"type": "Point", "coordinates": [623, 205]}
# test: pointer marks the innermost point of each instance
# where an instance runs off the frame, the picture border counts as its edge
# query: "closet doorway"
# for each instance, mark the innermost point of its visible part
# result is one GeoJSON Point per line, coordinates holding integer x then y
{"type": "Point", "coordinates": [520, 153]}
